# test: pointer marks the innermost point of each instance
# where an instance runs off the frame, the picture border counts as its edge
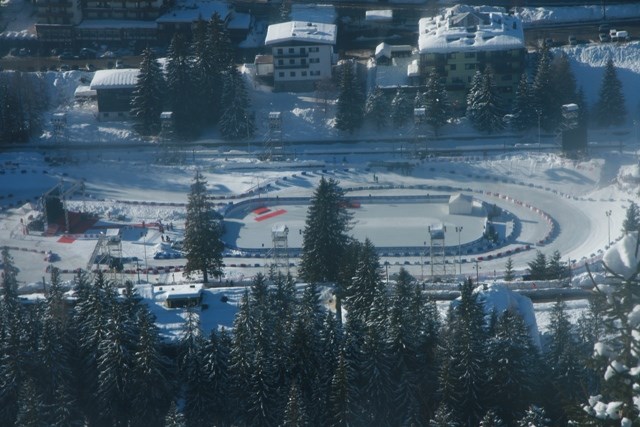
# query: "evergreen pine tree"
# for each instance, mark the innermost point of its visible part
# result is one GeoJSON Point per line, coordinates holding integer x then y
{"type": "Point", "coordinates": [563, 80]}
{"type": "Point", "coordinates": [197, 409]}
{"type": "Point", "coordinates": [31, 412]}
{"type": "Point", "coordinates": [147, 98]}
{"type": "Point", "coordinates": [538, 267]}
{"type": "Point", "coordinates": [565, 366]}
{"type": "Point", "coordinates": [377, 108]}
{"type": "Point", "coordinates": [512, 358]}
{"type": "Point", "coordinates": [444, 417]}
{"type": "Point", "coordinates": [180, 89]}
{"type": "Point", "coordinates": [174, 417]}
{"type": "Point", "coordinates": [524, 113]}
{"type": "Point", "coordinates": [295, 413]}
{"type": "Point", "coordinates": [216, 371]}
{"type": "Point", "coordinates": [535, 417]}
{"type": "Point", "coordinates": [325, 237]}
{"type": "Point", "coordinates": [463, 359]}
{"type": "Point", "coordinates": [484, 106]}
{"type": "Point", "coordinates": [351, 99]}
{"type": "Point", "coordinates": [509, 274]}
{"type": "Point", "coordinates": [236, 121]}
{"type": "Point", "coordinates": [490, 419]}
{"type": "Point", "coordinates": [555, 267]}
{"type": "Point", "coordinates": [151, 381]}
{"type": "Point", "coordinates": [544, 96]}
{"type": "Point", "coordinates": [435, 102]}
{"type": "Point", "coordinates": [619, 348]}
{"type": "Point", "coordinates": [202, 242]}
{"type": "Point", "coordinates": [365, 284]}
{"type": "Point", "coordinates": [401, 108]}
{"type": "Point", "coordinates": [631, 221]}
{"type": "Point", "coordinates": [420, 100]}
{"type": "Point", "coordinates": [610, 108]}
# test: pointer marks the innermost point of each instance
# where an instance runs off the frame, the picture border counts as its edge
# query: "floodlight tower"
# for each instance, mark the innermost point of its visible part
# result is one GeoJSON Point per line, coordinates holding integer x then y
{"type": "Point", "coordinates": [437, 250]}
{"type": "Point", "coordinates": [280, 247]}
{"type": "Point", "coordinates": [274, 146]}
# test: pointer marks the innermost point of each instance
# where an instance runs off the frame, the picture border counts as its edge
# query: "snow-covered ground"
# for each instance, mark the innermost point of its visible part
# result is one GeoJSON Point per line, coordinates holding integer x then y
{"type": "Point", "coordinates": [125, 186]}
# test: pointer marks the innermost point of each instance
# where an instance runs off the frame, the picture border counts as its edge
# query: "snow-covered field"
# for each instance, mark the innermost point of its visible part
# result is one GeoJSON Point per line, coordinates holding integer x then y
{"type": "Point", "coordinates": [125, 186]}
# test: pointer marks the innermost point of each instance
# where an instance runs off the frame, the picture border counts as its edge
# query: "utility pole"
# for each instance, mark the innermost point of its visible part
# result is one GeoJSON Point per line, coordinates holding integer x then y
{"type": "Point", "coordinates": [608, 214]}
{"type": "Point", "coordinates": [477, 273]}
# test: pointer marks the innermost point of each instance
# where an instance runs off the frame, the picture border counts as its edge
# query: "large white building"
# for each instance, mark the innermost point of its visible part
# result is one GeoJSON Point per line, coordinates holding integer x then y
{"type": "Point", "coordinates": [464, 39]}
{"type": "Point", "coordinates": [302, 54]}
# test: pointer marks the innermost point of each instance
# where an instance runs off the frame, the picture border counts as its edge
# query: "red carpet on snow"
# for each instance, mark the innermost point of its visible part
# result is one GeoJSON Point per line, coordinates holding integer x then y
{"type": "Point", "coordinates": [261, 210]}
{"type": "Point", "coordinates": [66, 239]}
{"type": "Point", "coordinates": [270, 215]}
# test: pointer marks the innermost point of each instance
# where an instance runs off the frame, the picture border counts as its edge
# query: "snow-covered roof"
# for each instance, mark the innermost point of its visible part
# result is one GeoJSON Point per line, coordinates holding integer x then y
{"type": "Point", "coordinates": [300, 31]}
{"type": "Point", "coordinates": [459, 197]}
{"type": "Point", "coordinates": [193, 12]}
{"type": "Point", "coordinates": [115, 79]}
{"type": "Point", "coordinates": [325, 13]}
{"type": "Point", "coordinates": [397, 73]}
{"type": "Point", "coordinates": [181, 291]}
{"type": "Point", "coordinates": [115, 23]}
{"type": "Point", "coordinates": [385, 49]}
{"type": "Point", "coordinates": [467, 28]}
{"type": "Point", "coordinates": [385, 15]}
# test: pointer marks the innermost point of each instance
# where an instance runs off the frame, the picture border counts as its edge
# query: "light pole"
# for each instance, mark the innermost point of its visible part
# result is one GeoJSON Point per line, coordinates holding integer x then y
{"type": "Point", "coordinates": [608, 214]}
{"type": "Point", "coordinates": [459, 230]}
{"type": "Point", "coordinates": [539, 111]}
{"type": "Point", "coordinates": [143, 234]}
{"type": "Point", "coordinates": [477, 273]}
{"type": "Point", "coordinates": [386, 268]}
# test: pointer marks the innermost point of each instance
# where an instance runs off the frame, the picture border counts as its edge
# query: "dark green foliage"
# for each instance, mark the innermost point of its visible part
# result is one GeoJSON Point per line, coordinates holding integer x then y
{"type": "Point", "coordinates": [202, 242]}
{"type": "Point", "coordinates": [564, 81]}
{"type": "Point", "coordinates": [435, 102]}
{"type": "Point", "coordinates": [543, 88]}
{"type": "Point", "coordinates": [490, 419]}
{"type": "Point", "coordinates": [147, 98]}
{"type": "Point", "coordinates": [618, 350]}
{"type": "Point", "coordinates": [401, 108]}
{"type": "Point", "coordinates": [351, 99]}
{"type": "Point", "coordinates": [632, 219]}
{"type": "Point", "coordinates": [295, 414]}
{"type": "Point", "coordinates": [236, 121]}
{"type": "Point", "coordinates": [174, 417]}
{"type": "Point", "coordinates": [377, 108]}
{"type": "Point", "coordinates": [484, 106]}
{"type": "Point", "coordinates": [325, 235]}
{"type": "Point", "coordinates": [556, 269]}
{"type": "Point", "coordinates": [23, 99]}
{"type": "Point", "coordinates": [463, 358]}
{"type": "Point", "coordinates": [444, 417]}
{"type": "Point", "coordinates": [511, 362]}
{"type": "Point", "coordinates": [535, 416]}
{"type": "Point", "coordinates": [365, 284]}
{"type": "Point", "coordinates": [523, 111]}
{"type": "Point", "coordinates": [180, 87]}
{"type": "Point", "coordinates": [610, 109]}
{"type": "Point", "coordinates": [509, 274]}
{"type": "Point", "coordinates": [565, 362]}
{"type": "Point", "coordinates": [538, 267]}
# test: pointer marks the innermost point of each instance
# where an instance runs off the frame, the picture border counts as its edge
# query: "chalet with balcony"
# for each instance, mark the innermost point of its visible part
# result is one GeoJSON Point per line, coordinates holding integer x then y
{"type": "Point", "coordinates": [114, 89]}
{"type": "Point", "coordinates": [465, 39]}
{"type": "Point", "coordinates": [303, 54]}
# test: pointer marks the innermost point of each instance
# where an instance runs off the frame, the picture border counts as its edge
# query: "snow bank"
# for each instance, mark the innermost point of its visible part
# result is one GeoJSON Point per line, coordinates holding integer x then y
{"type": "Point", "coordinates": [500, 298]}
{"type": "Point", "coordinates": [532, 16]}
{"type": "Point", "coordinates": [623, 257]}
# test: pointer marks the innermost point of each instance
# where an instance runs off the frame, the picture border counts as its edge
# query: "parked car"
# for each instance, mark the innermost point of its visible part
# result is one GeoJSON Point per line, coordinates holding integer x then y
{"type": "Point", "coordinates": [573, 40]}
{"type": "Point", "coordinates": [620, 36]}
{"type": "Point", "coordinates": [66, 55]}
{"type": "Point", "coordinates": [86, 53]}
{"type": "Point", "coordinates": [604, 37]}
{"type": "Point", "coordinates": [107, 54]}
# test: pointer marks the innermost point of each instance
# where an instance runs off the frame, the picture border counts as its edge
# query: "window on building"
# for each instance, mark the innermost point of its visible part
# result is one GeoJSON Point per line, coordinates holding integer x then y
{"type": "Point", "coordinates": [303, 61]}
{"type": "Point", "coordinates": [314, 49]}
{"type": "Point", "coordinates": [292, 74]}
{"type": "Point", "coordinates": [304, 74]}
{"type": "Point", "coordinates": [291, 50]}
{"type": "Point", "coordinates": [281, 74]}
{"type": "Point", "coordinates": [469, 54]}
{"type": "Point", "coordinates": [302, 51]}
{"type": "Point", "coordinates": [292, 62]}
{"type": "Point", "coordinates": [451, 55]}
{"type": "Point", "coordinates": [452, 67]}
{"type": "Point", "coordinates": [280, 62]}
{"type": "Point", "coordinates": [279, 51]}
{"type": "Point", "coordinates": [469, 66]}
